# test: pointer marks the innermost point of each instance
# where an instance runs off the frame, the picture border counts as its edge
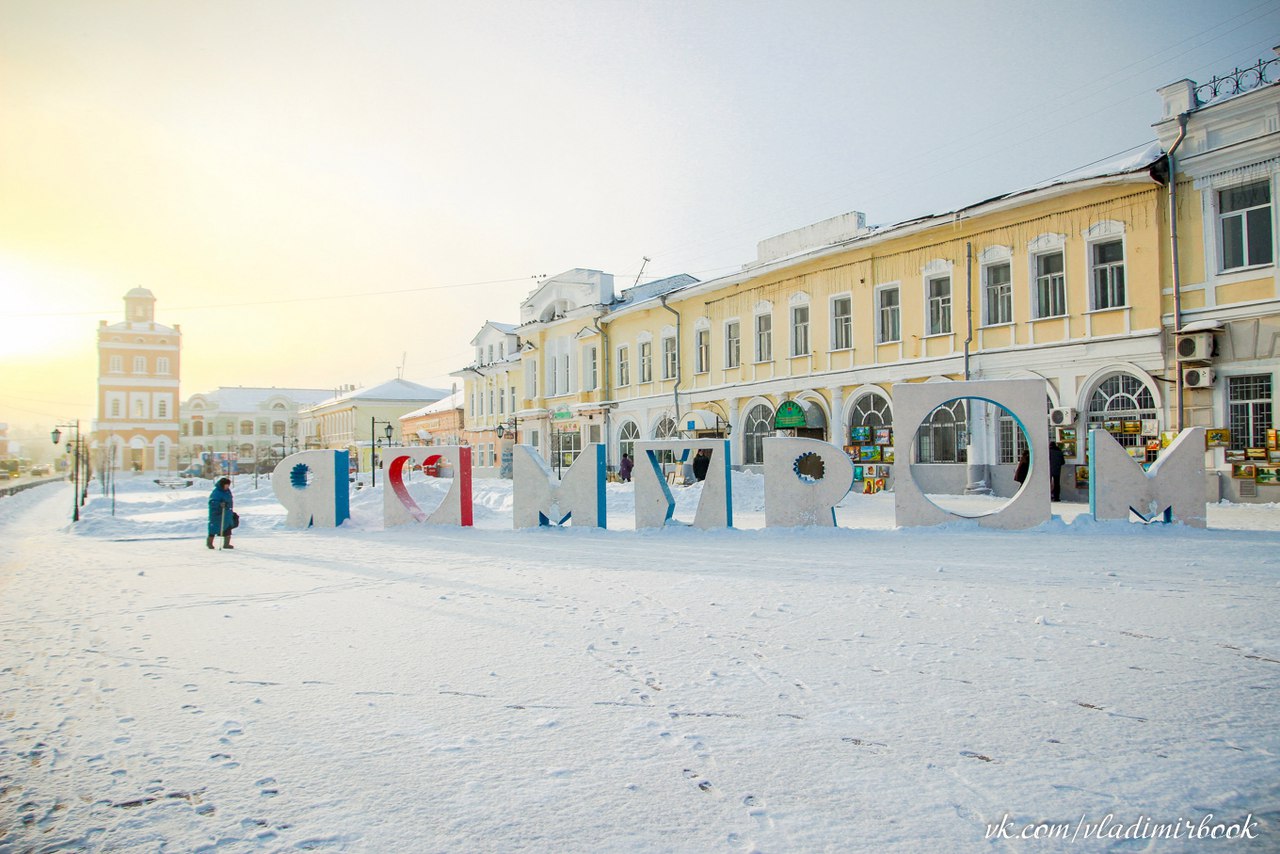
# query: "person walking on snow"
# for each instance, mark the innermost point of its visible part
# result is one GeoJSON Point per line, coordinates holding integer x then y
{"type": "Point", "coordinates": [624, 469]}
{"type": "Point", "coordinates": [221, 517]}
{"type": "Point", "coordinates": [1056, 462]}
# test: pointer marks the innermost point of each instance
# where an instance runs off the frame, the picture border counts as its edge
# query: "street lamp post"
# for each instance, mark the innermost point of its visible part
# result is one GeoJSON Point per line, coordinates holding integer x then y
{"type": "Point", "coordinates": [56, 436]}
{"type": "Point", "coordinates": [373, 447]}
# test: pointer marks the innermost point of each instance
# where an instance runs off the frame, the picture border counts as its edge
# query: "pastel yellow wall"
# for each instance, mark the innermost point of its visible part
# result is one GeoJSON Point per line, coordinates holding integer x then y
{"type": "Point", "coordinates": [859, 271]}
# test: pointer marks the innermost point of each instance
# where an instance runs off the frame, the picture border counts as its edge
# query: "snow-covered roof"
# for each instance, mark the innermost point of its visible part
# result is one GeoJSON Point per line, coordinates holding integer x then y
{"type": "Point", "coordinates": [391, 390]}
{"type": "Point", "coordinates": [246, 399]}
{"type": "Point", "coordinates": [453, 401]}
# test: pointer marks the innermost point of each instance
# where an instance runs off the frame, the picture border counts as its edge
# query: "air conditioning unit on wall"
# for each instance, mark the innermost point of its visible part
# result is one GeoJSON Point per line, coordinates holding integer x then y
{"type": "Point", "coordinates": [1194, 347]}
{"type": "Point", "coordinates": [1197, 377]}
{"type": "Point", "coordinates": [1063, 416]}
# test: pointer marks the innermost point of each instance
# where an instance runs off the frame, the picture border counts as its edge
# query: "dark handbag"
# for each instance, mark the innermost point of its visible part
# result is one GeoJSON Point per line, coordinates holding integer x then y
{"type": "Point", "coordinates": [235, 520]}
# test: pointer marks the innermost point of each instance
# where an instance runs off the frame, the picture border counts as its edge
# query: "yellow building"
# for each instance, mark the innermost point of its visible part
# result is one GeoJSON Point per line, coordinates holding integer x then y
{"type": "Point", "coordinates": [1075, 281]}
{"type": "Point", "coordinates": [1222, 301]}
{"type": "Point", "coordinates": [363, 420]}
{"type": "Point", "coordinates": [1060, 281]}
{"type": "Point", "coordinates": [139, 364]}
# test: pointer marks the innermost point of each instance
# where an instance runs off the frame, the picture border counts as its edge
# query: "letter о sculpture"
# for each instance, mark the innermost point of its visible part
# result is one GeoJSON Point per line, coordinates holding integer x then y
{"type": "Point", "coordinates": [1024, 400]}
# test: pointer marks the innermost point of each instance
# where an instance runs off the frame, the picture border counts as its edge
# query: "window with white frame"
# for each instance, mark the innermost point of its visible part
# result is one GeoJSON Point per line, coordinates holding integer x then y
{"type": "Point", "coordinates": [1106, 273]}
{"type": "Point", "coordinates": [842, 323]}
{"type": "Point", "coordinates": [115, 364]}
{"type": "Point", "coordinates": [669, 357]}
{"type": "Point", "coordinates": [1050, 285]}
{"type": "Point", "coordinates": [162, 408]}
{"type": "Point", "coordinates": [1012, 440]}
{"type": "Point", "coordinates": [943, 438]}
{"type": "Point", "coordinates": [627, 438]}
{"type": "Point", "coordinates": [764, 337]}
{"type": "Point", "coordinates": [938, 296]}
{"type": "Point", "coordinates": [1121, 397]}
{"type": "Point", "coordinates": [646, 361]}
{"type": "Point", "coordinates": [1249, 410]}
{"type": "Point", "coordinates": [997, 291]}
{"type": "Point", "coordinates": [139, 364]}
{"type": "Point", "coordinates": [758, 425]}
{"type": "Point", "coordinates": [702, 351]}
{"type": "Point", "coordinates": [162, 365]}
{"type": "Point", "coordinates": [590, 375]}
{"type": "Point", "coordinates": [115, 408]}
{"type": "Point", "coordinates": [888, 314]}
{"type": "Point", "coordinates": [799, 330]}
{"type": "Point", "coordinates": [732, 344]}
{"type": "Point", "coordinates": [139, 408]}
{"type": "Point", "coordinates": [1244, 226]}
{"type": "Point", "coordinates": [624, 366]}
{"type": "Point", "coordinates": [531, 378]}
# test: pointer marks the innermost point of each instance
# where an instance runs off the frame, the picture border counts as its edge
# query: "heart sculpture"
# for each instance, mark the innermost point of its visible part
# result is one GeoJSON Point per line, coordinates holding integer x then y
{"type": "Point", "coordinates": [398, 506]}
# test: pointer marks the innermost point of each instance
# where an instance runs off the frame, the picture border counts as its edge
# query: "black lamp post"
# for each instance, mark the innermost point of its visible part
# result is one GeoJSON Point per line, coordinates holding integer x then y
{"type": "Point", "coordinates": [373, 447]}
{"type": "Point", "coordinates": [56, 436]}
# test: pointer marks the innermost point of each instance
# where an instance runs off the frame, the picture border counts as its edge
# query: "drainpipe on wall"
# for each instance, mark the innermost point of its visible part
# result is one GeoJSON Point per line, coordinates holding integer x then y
{"type": "Point", "coordinates": [605, 394]}
{"type": "Point", "coordinates": [977, 467]}
{"type": "Point", "coordinates": [675, 392]}
{"type": "Point", "coordinates": [1176, 269]}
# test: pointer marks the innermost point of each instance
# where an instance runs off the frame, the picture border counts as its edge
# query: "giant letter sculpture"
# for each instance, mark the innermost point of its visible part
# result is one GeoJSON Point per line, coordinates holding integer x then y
{"type": "Point", "coordinates": [1172, 488]}
{"type": "Point", "coordinates": [654, 504]}
{"type": "Point", "coordinates": [313, 487]}
{"type": "Point", "coordinates": [791, 498]}
{"type": "Point", "coordinates": [398, 506]}
{"type": "Point", "coordinates": [539, 500]}
{"type": "Point", "coordinates": [1024, 399]}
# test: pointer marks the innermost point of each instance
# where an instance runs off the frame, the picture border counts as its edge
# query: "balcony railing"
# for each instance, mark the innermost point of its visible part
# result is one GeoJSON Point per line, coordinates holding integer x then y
{"type": "Point", "coordinates": [1264, 73]}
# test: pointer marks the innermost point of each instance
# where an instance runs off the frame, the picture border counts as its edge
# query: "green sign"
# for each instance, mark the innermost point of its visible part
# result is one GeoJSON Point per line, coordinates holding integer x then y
{"type": "Point", "coordinates": [561, 414]}
{"type": "Point", "coordinates": [790, 414]}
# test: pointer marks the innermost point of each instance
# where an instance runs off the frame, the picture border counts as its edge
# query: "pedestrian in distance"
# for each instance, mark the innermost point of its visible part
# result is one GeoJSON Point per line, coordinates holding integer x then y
{"type": "Point", "coordinates": [1024, 463]}
{"type": "Point", "coordinates": [624, 469]}
{"type": "Point", "coordinates": [1056, 462]}
{"type": "Point", "coordinates": [701, 463]}
{"type": "Point", "coordinates": [222, 518]}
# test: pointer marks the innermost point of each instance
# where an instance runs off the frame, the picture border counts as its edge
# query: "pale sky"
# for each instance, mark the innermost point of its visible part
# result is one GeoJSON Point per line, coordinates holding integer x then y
{"type": "Point", "coordinates": [317, 190]}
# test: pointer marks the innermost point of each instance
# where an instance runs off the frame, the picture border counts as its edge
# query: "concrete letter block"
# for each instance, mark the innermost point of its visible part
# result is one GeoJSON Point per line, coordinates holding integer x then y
{"type": "Point", "coordinates": [792, 499]}
{"type": "Point", "coordinates": [313, 487]}
{"type": "Point", "coordinates": [1173, 488]}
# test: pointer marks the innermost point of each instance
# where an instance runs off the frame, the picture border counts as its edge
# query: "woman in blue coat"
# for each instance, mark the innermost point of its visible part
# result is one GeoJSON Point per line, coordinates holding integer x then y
{"type": "Point", "coordinates": [221, 517]}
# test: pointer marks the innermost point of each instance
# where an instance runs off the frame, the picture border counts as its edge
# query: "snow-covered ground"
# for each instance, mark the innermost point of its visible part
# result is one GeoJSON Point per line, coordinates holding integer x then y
{"type": "Point", "coordinates": [434, 689]}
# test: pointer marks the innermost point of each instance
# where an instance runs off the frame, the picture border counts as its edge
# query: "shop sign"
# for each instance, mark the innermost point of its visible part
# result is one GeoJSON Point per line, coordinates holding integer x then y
{"type": "Point", "coordinates": [790, 415]}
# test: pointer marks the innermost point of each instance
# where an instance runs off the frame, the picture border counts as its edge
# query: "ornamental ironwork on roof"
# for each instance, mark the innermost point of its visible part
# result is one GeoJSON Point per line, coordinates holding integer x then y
{"type": "Point", "coordinates": [1263, 73]}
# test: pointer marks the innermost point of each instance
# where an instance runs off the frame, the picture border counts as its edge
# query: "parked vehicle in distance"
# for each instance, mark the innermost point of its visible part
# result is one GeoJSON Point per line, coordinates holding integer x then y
{"type": "Point", "coordinates": [41, 470]}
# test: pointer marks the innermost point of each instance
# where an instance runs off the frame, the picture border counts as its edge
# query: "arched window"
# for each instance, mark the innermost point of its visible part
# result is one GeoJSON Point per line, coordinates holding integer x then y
{"type": "Point", "coordinates": [277, 428]}
{"type": "Point", "coordinates": [944, 437]}
{"type": "Point", "coordinates": [870, 410]}
{"type": "Point", "coordinates": [627, 437]}
{"type": "Point", "coordinates": [1117, 399]}
{"type": "Point", "coordinates": [246, 428]}
{"type": "Point", "coordinates": [666, 429]}
{"type": "Point", "coordinates": [197, 428]}
{"type": "Point", "coordinates": [758, 425]}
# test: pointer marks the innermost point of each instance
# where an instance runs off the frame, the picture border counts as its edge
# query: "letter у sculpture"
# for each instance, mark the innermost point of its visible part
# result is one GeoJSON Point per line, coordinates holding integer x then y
{"type": "Point", "coordinates": [792, 499]}
{"type": "Point", "coordinates": [538, 499]}
{"type": "Point", "coordinates": [1025, 401]}
{"type": "Point", "coordinates": [654, 504]}
{"type": "Point", "coordinates": [314, 488]}
{"type": "Point", "coordinates": [1173, 488]}
{"type": "Point", "coordinates": [398, 506]}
